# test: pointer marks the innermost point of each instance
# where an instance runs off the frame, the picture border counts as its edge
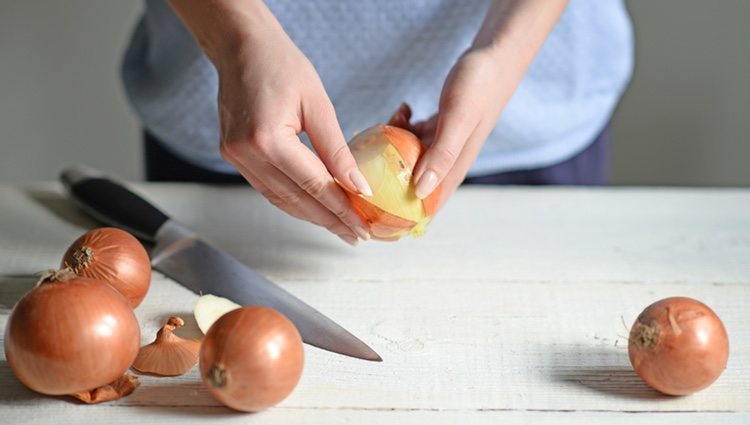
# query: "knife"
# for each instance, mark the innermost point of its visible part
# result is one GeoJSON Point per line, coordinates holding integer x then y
{"type": "Point", "coordinates": [181, 255]}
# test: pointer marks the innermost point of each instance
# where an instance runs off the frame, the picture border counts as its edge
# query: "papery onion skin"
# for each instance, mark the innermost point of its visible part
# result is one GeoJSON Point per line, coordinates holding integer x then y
{"type": "Point", "coordinates": [115, 256]}
{"type": "Point", "coordinates": [168, 354]}
{"type": "Point", "coordinates": [394, 210]}
{"type": "Point", "coordinates": [69, 336]}
{"type": "Point", "coordinates": [251, 358]}
{"type": "Point", "coordinates": [678, 346]}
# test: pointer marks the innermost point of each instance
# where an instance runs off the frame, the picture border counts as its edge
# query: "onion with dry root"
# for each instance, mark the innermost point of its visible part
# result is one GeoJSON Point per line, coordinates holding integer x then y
{"type": "Point", "coordinates": [251, 358]}
{"type": "Point", "coordinates": [387, 155]}
{"type": "Point", "coordinates": [169, 354]}
{"type": "Point", "coordinates": [114, 256]}
{"type": "Point", "coordinates": [678, 346]}
{"type": "Point", "coordinates": [71, 334]}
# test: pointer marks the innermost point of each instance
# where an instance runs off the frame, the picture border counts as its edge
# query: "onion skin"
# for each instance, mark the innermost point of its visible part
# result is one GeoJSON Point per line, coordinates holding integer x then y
{"type": "Point", "coordinates": [251, 358]}
{"type": "Point", "coordinates": [168, 354]}
{"type": "Point", "coordinates": [69, 336]}
{"type": "Point", "coordinates": [678, 346]}
{"type": "Point", "coordinates": [385, 223]}
{"type": "Point", "coordinates": [114, 256]}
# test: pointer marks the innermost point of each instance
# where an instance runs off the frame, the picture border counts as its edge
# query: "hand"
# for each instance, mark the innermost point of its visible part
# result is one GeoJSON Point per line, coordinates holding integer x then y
{"type": "Point", "coordinates": [268, 94]}
{"type": "Point", "coordinates": [470, 104]}
{"type": "Point", "coordinates": [477, 89]}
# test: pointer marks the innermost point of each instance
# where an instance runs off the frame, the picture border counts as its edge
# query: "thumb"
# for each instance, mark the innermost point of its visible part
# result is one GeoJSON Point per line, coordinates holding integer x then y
{"type": "Point", "coordinates": [322, 126]}
{"type": "Point", "coordinates": [454, 127]}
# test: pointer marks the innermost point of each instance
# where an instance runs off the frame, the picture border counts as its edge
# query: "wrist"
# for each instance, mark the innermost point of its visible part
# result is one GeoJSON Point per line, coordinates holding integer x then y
{"type": "Point", "coordinates": [224, 28]}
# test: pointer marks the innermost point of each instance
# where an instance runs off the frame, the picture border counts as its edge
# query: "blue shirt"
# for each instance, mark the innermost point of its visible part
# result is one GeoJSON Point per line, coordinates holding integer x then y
{"type": "Point", "coordinates": [371, 56]}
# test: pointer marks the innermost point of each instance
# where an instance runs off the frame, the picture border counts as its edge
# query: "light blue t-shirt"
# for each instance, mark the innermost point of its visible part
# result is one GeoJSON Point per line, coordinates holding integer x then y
{"type": "Point", "coordinates": [373, 55]}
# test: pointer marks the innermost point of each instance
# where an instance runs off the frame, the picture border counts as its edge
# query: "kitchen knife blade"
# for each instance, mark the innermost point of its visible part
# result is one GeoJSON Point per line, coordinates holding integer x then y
{"type": "Point", "coordinates": [181, 255]}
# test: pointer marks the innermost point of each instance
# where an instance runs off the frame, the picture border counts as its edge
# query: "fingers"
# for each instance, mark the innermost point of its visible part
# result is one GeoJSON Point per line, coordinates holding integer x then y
{"type": "Point", "coordinates": [425, 130]}
{"type": "Point", "coordinates": [401, 118]}
{"type": "Point", "coordinates": [293, 179]}
{"type": "Point", "coordinates": [307, 174]}
{"type": "Point", "coordinates": [453, 129]}
{"type": "Point", "coordinates": [302, 208]}
{"type": "Point", "coordinates": [321, 125]}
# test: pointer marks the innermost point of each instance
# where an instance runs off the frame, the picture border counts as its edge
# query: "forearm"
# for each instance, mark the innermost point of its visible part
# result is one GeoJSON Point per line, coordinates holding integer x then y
{"type": "Point", "coordinates": [512, 33]}
{"type": "Point", "coordinates": [222, 27]}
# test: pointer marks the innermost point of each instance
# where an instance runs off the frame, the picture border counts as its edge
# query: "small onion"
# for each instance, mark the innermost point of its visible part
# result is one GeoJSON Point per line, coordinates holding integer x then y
{"type": "Point", "coordinates": [114, 256]}
{"type": "Point", "coordinates": [387, 155]}
{"type": "Point", "coordinates": [71, 334]}
{"type": "Point", "coordinates": [251, 358]}
{"type": "Point", "coordinates": [678, 346]}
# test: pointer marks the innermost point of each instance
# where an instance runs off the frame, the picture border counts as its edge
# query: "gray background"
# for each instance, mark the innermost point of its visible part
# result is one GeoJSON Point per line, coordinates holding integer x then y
{"type": "Point", "coordinates": [684, 120]}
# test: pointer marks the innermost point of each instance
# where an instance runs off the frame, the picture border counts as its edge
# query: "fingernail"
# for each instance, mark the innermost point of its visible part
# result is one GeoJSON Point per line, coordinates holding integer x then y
{"type": "Point", "coordinates": [426, 184]}
{"type": "Point", "coordinates": [363, 233]}
{"type": "Point", "coordinates": [349, 239]}
{"type": "Point", "coordinates": [360, 183]}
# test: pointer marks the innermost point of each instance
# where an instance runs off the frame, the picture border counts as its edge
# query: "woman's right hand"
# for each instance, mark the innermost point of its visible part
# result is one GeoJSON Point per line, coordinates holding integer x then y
{"type": "Point", "coordinates": [269, 93]}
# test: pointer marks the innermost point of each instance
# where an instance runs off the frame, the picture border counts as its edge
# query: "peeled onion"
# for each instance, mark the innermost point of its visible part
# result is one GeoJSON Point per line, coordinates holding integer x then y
{"type": "Point", "coordinates": [209, 308]}
{"type": "Point", "coordinates": [387, 155]}
{"type": "Point", "coordinates": [678, 346]}
{"type": "Point", "coordinates": [71, 334]}
{"type": "Point", "coordinates": [114, 256]}
{"type": "Point", "coordinates": [251, 358]}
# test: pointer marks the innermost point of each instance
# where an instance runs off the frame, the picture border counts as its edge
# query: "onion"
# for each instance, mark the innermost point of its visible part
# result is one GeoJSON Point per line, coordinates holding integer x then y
{"type": "Point", "coordinates": [114, 256]}
{"type": "Point", "coordinates": [209, 308]}
{"type": "Point", "coordinates": [678, 346]}
{"type": "Point", "coordinates": [70, 334]}
{"type": "Point", "coordinates": [251, 358]}
{"type": "Point", "coordinates": [386, 155]}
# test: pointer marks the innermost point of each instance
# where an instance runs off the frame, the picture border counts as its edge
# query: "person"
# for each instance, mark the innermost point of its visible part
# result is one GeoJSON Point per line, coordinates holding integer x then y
{"type": "Point", "coordinates": [507, 91]}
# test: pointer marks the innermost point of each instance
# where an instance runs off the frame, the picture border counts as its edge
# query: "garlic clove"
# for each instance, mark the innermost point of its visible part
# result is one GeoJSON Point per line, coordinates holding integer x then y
{"type": "Point", "coordinates": [168, 355]}
{"type": "Point", "coordinates": [209, 308]}
{"type": "Point", "coordinates": [118, 389]}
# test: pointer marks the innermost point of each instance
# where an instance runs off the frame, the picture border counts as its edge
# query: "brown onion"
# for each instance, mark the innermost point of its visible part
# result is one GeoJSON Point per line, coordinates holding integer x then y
{"type": "Point", "coordinates": [251, 358]}
{"type": "Point", "coordinates": [71, 334]}
{"type": "Point", "coordinates": [387, 155]}
{"type": "Point", "coordinates": [678, 346]}
{"type": "Point", "coordinates": [114, 256]}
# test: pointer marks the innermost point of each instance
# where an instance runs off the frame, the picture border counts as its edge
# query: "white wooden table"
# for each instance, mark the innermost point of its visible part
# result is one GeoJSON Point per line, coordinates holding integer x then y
{"type": "Point", "coordinates": [514, 308]}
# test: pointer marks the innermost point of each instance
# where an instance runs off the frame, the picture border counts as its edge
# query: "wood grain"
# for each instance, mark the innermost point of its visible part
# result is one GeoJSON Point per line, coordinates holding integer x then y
{"type": "Point", "coordinates": [514, 307]}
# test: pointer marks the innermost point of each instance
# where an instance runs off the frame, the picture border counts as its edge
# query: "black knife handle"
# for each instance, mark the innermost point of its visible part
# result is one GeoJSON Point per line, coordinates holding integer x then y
{"type": "Point", "coordinates": [112, 203]}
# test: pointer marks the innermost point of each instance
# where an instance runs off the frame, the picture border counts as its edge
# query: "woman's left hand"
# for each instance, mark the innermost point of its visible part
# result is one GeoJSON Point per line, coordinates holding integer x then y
{"type": "Point", "coordinates": [477, 89]}
{"type": "Point", "coordinates": [470, 104]}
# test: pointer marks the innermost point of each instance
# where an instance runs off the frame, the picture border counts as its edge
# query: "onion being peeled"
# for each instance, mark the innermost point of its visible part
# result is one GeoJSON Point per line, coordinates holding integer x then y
{"type": "Point", "coordinates": [387, 155]}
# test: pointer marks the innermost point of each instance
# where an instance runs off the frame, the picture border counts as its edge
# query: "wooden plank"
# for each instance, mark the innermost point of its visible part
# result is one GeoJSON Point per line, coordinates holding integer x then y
{"type": "Point", "coordinates": [167, 415]}
{"type": "Point", "coordinates": [515, 306]}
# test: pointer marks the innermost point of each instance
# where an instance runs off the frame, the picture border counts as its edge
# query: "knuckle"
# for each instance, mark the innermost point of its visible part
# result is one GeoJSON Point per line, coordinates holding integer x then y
{"type": "Point", "coordinates": [342, 156]}
{"type": "Point", "coordinates": [293, 197]}
{"type": "Point", "coordinates": [444, 157]}
{"type": "Point", "coordinates": [258, 140]}
{"type": "Point", "coordinates": [230, 149]}
{"type": "Point", "coordinates": [261, 138]}
{"type": "Point", "coordinates": [315, 186]}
